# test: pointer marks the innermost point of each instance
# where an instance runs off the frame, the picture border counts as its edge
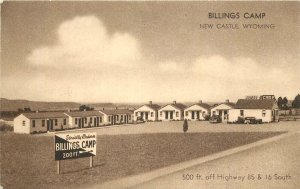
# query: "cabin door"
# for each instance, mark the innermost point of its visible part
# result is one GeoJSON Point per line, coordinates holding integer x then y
{"type": "Point", "coordinates": [146, 115]}
{"type": "Point", "coordinates": [49, 124]}
{"type": "Point", "coordinates": [80, 122]}
{"type": "Point", "coordinates": [225, 114]}
{"type": "Point", "coordinates": [193, 115]}
{"type": "Point", "coordinates": [171, 115]}
{"type": "Point", "coordinates": [95, 121]}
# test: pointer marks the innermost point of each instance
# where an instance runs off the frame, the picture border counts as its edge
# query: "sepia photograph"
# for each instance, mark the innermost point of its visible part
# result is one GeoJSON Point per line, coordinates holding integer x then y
{"type": "Point", "coordinates": [149, 94]}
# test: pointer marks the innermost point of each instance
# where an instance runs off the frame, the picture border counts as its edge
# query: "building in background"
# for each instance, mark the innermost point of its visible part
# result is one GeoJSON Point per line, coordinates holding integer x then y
{"type": "Point", "coordinates": [40, 122]}
{"type": "Point", "coordinates": [174, 111]}
{"type": "Point", "coordinates": [81, 119]}
{"type": "Point", "coordinates": [222, 110]}
{"type": "Point", "coordinates": [198, 111]}
{"type": "Point", "coordinates": [265, 109]}
{"type": "Point", "coordinates": [147, 112]}
{"type": "Point", "coordinates": [117, 116]}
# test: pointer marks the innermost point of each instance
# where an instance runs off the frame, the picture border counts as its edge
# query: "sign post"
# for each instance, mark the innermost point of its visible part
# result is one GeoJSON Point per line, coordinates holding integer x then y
{"type": "Point", "coordinates": [91, 161]}
{"type": "Point", "coordinates": [74, 145]}
{"type": "Point", "coordinates": [58, 167]}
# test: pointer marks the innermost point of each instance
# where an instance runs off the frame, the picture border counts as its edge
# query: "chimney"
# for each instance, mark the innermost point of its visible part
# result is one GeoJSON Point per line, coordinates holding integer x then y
{"type": "Point", "coordinates": [174, 102]}
{"type": "Point", "coordinates": [116, 107]}
{"type": "Point", "coordinates": [200, 101]}
{"type": "Point", "coordinates": [150, 102]}
{"type": "Point", "coordinates": [227, 100]}
{"type": "Point", "coordinates": [102, 108]}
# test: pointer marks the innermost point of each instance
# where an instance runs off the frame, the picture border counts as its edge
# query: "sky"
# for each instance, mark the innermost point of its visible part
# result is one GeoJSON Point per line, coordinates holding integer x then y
{"type": "Point", "coordinates": [141, 51]}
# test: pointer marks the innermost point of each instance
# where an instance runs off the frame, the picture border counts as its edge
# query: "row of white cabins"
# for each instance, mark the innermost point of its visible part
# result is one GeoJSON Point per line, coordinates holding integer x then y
{"type": "Point", "coordinates": [263, 108]}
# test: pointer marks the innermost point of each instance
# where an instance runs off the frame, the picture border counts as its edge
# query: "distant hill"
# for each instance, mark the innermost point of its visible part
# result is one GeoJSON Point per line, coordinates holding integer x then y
{"type": "Point", "coordinates": [14, 105]}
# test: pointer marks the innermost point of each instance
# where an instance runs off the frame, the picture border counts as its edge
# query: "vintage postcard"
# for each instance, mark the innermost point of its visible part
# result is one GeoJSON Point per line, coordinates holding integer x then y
{"type": "Point", "coordinates": [150, 94]}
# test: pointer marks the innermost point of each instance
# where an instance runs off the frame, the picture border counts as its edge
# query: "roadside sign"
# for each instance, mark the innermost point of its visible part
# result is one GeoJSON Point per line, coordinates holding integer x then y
{"type": "Point", "coordinates": [75, 145]}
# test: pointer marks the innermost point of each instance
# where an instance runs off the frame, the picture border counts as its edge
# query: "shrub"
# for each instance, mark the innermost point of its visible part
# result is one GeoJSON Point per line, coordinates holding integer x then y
{"type": "Point", "coordinates": [241, 120]}
{"type": "Point", "coordinates": [5, 127]}
{"type": "Point", "coordinates": [206, 117]}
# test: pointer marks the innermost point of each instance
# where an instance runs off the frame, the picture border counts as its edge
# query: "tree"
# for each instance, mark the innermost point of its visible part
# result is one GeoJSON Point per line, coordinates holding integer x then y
{"type": "Point", "coordinates": [26, 109]}
{"type": "Point", "coordinates": [185, 126]}
{"type": "Point", "coordinates": [279, 102]}
{"type": "Point", "coordinates": [296, 102]}
{"type": "Point", "coordinates": [85, 108]}
{"type": "Point", "coordinates": [285, 102]}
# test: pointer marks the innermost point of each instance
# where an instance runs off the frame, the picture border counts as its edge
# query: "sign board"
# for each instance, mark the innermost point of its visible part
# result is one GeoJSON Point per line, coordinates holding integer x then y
{"type": "Point", "coordinates": [252, 97]}
{"type": "Point", "coordinates": [75, 145]}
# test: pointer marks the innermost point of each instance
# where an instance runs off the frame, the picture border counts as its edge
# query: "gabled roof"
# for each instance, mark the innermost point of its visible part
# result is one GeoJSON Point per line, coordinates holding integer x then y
{"type": "Point", "coordinates": [230, 104]}
{"type": "Point", "coordinates": [177, 106]}
{"type": "Point", "coordinates": [203, 105]}
{"type": "Point", "coordinates": [255, 104]}
{"type": "Point", "coordinates": [83, 113]}
{"type": "Point", "coordinates": [152, 106]}
{"type": "Point", "coordinates": [116, 111]}
{"type": "Point", "coordinates": [44, 115]}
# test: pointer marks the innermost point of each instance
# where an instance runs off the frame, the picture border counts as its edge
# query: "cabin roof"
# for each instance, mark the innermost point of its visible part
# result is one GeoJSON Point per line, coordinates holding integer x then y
{"type": "Point", "coordinates": [84, 113]}
{"type": "Point", "coordinates": [44, 115]}
{"type": "Point", "coordinates": [255, 104]}
{"type": "Point", "coordinates": [116, 111]}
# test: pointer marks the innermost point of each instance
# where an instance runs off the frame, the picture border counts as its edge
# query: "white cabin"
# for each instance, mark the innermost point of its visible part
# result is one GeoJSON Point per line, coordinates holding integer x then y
{"type": "Point", "coordinates": [264, 109]}
{"type": "Point", "coordinates": [222, 110]}
{"type": "Point", "coordinates": [40, 122]}
{"type": "Point", "coordinates": [197, 111]}
{"type": "Point", "coordinates": [174, 111]}
{"type": "Point", "coordinates": [147, 112]}
{"type": "Point", "coordinates": [117, 116]}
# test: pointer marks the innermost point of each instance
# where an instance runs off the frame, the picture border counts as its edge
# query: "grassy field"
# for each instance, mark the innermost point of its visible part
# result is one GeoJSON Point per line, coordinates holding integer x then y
{"type": "Point", "coordinates": [27, 161]}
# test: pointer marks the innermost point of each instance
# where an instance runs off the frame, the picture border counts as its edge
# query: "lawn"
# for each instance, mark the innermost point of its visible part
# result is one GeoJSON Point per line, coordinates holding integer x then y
{"type": "Point", "coordinates": [27, 161]}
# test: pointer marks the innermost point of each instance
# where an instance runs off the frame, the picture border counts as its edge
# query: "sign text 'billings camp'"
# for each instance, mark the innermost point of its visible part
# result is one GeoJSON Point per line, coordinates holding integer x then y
{"type": "Point", "coordinates": [75, 145]}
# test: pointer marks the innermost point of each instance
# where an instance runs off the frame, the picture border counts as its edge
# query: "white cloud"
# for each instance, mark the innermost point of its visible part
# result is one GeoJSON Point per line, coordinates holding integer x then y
{"type": "Point", "coordinates": [84, 42]}
{"type": "Point", "coordinates": [88, 64]}
{"type": "Point", "coordinates": [170, 66]}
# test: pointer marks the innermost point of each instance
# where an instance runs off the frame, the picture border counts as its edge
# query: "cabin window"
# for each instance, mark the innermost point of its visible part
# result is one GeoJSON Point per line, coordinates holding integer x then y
{"type": "Point", "coordinates": [108, 118]}
{"type": "Point", "coordinates": [160, 113]}
{"type": "Point", "coordinates": [33, 123]}
{"type": "Point", "coordinates": [100, 119]}
{"type": "Point", "coordinates": [264, 113]}
{"type": "Point", "coordinates": [43, 123]}
{"type": "Point", "coordinates": [186, 113]}
{"type": "Point", "coordinates": [75, 121]}
{"type": "Point", "coordinates": [23, 123]}
{"type": "Point", "coordinates": [91, 119]}
{"type": "Point", "coordinates": [65, 121]}
{"type": "Point", "coordinates": [121, 117]}
{"type": "Point", "coordinates": [85, 120]}
{"type": "Point", "coordinates": [241, 112]}
{"type": "Point", "coordinates": [55, 121]}
{"type": "Point", "coordinates": [152, 114]}
{"type": "Point", "coordinates": [136, 113]}
{"type": "Point", "coordinates": [177, 114]}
